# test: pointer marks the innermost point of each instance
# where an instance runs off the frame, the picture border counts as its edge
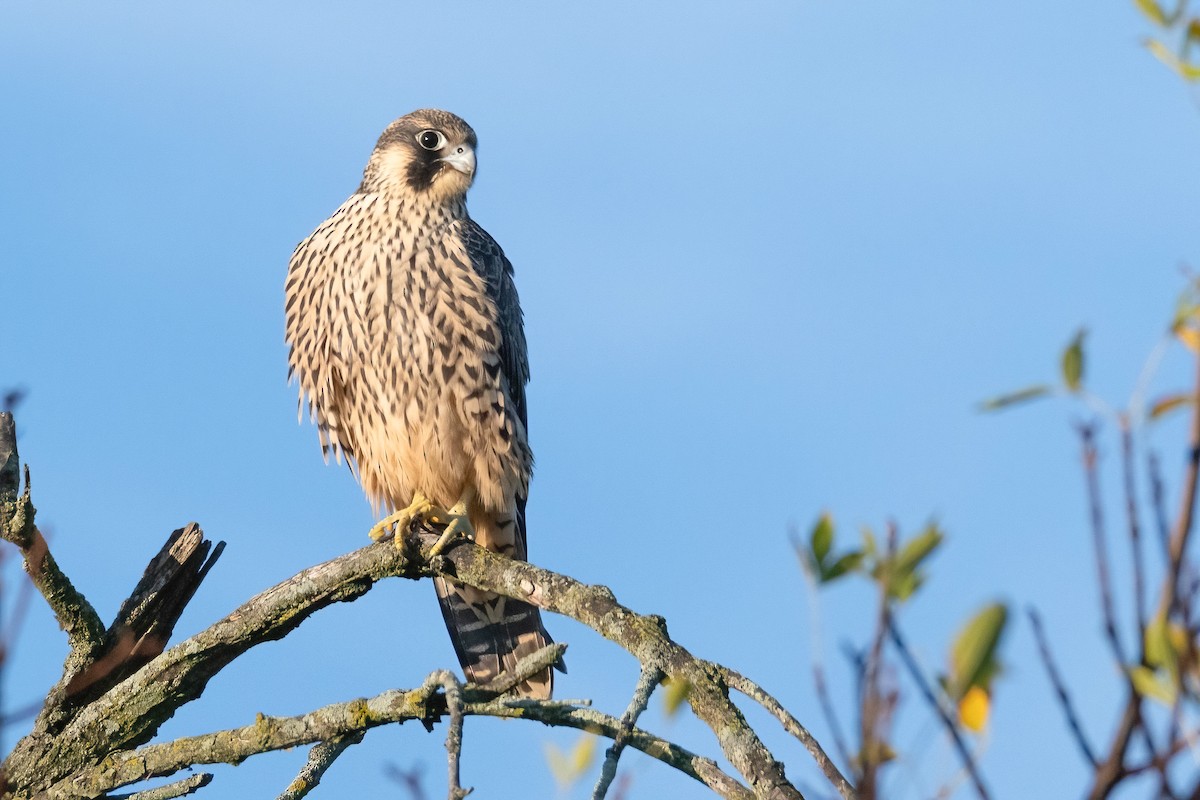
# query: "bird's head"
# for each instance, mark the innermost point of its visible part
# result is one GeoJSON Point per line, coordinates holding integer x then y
{"type": "Point", "coordinates": [430, 153]}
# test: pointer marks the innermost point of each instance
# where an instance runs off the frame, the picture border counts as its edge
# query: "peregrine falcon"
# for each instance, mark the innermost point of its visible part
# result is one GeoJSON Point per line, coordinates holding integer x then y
{"type": "Point", "coordinates": [407, 341]}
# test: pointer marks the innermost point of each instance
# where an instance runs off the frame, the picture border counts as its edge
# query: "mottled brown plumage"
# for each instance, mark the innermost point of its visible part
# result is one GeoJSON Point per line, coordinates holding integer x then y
{"type": "Point", "coordinates": [407, 341]}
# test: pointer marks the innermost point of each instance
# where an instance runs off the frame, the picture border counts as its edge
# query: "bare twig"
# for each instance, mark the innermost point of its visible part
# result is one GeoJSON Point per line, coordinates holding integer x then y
{"type": "Point", "coordinates": [1158, 495]}
{"type": "Point", "coordinates": [1113, 769]}
{"type": "Point", "coordinates": [320, 759]}
{"type": "Point", "coordinates": [1135, 528]}
{"type": "Point", "coordinates": [1087, 434]}
{"type": "Point", "coordinates": [835, 728]}
{"type": "Point", "coordinates": [948, 722]}
{"type": "Point", "coordinates": [27, 711]}
{"type": "Point", "coordinates": [818, 660]}
{"type": "Point", "coordinates": [1060, 690]}
{"type": "Point", "coordinates": [648, 680]}
{"type": "Point", "coordinates": [1182, 530]}
{"type": "Point", "coordinates": [532, 664]}
{"type": "Point", "coordinates": [452, 692]}
{"type": "Point", "coordinates": [756, 693]}
{"type": "Point", "coordinates": [702, 769]}
{"type": "Point", "coordinates": [870, 718]}
{"type": "Point", "coordinates": [181, 788]}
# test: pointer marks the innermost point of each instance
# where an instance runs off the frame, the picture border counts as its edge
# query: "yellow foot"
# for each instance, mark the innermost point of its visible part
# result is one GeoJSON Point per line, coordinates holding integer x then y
{"type": "Point", "coordinates": [457, 525]}
{"type": "Point", "coordinates": [420, 507]}
{"type": "Point", "coordinates": [455, 520]}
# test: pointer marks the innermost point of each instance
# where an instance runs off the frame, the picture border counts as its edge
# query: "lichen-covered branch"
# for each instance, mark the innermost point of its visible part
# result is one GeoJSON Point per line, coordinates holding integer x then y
{"type": "Point", "coordinates": [182, 788]}
{"type": "Point", "coordinates": [91, 739]}
{"type": "Point", "coordinates": [142, 627]}
{"type": "Point", "coordinates": [648, 680]}
{"type": "Point", "coordinates": [85, 631]}
{"type": "Point", "coordinates": [756, 693]}
{"type": "Point", "coordinates": [452, 693]}
{"type": "Point", "coordinates": [320, 759]}
{"type": "Point", "coordinates": [702, 769]}
{"type": "Point", "coordinates": [645, 637]}
{"type": "Point", "coordinates": [345, 721]}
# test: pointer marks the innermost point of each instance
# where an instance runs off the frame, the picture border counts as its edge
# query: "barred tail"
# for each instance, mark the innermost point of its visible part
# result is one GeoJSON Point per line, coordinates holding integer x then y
{"type": "Point", "coordinates": [491, 633]}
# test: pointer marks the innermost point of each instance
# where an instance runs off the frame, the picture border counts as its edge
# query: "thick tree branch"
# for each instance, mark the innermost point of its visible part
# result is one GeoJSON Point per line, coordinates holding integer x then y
{"type": "Point", "coordinates": [130, 713]}
{"type": "Point", "coordinates": [142, 627]}
{"type": "Point", "coordinates": [119, 685]}
{"type": "Point", "coordinates": [645, 637]}
{"type": "Point", "coordinates": [346, 720]}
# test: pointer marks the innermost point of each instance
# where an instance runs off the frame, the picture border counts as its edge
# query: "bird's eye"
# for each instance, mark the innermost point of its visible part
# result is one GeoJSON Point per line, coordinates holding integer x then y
{"type": "Point", "coordinates": [431, 140]}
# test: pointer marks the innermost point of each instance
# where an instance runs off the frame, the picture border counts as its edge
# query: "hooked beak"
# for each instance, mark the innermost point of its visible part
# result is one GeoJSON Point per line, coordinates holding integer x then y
{"type": "Point", "coordinates": [462, 158]}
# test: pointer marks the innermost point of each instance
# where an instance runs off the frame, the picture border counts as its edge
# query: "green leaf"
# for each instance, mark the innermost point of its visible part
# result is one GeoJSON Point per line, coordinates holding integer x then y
{"type": "Point", "coordinates": [900, 573]}
{"type": "Point", "coordinates": [868, 538]}
{"type": "Point", "coordinates": [1153, 11]}
{"type": "Point", "coordinates": [902, 586]}
{"type": "Point", "coordinates": [822, 538]}
{"type": "Point", "coordinates": [1165, 645]}
{"type": "Point", "coordinates": [1159, 652]}
{"type": "Point", "coordinates": [1149, 684]}
{"type": "Point", "coordinates": [1072, 362]}
{"type": "Point", "coordinates": [1014, 398]}
{"type": "Point", "coordinates": [847, 563]}
{"type": "Point", "coordinates": [918, 548]}
{"type": "Point", "coordinates": [973, 654]}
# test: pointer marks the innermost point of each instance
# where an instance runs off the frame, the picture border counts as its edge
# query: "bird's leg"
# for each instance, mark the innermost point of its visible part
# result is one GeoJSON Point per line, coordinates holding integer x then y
{"type": "Point", "coordinates": [459, 523]}
{"type": "Point", "coordinates": [421, 506]}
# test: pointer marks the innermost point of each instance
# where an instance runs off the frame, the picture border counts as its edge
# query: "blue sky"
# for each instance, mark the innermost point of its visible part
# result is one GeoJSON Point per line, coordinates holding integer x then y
{"type": "Point", "coordinates": [771, 257]}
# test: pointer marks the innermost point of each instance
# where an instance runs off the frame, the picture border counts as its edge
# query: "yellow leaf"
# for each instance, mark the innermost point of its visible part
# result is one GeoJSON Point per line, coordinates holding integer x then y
{"type": "Point", "coordinates": [1189, 336]}
{"type": "Point", "coordinates": [973, 709]}
{"type": "Point", "coordinates": [1177, 635]}
{"type": "Point", "coordinates": [1152, 686]}
{"type": "Point", "coordinates": [583, 753]}
{"type": "Point", "coordinates": [1185, 69]}
{"type": "Point", "coordinates": [1172, 402]}
{"type": "Point", "coordinates": [568, 768]}
{"type": "Point", "coordinates": [675, 692]}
